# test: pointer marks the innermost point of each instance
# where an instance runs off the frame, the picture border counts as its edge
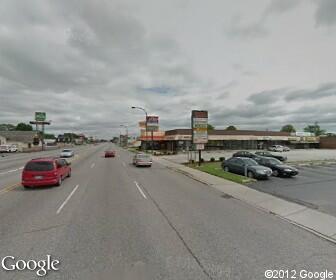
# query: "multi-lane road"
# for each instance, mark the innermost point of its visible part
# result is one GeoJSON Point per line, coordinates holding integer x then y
{"type": "Point", "coordinates": [111, 220]}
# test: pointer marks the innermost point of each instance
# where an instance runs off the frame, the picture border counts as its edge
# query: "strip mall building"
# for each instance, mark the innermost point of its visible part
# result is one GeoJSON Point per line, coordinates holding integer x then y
{"type": "Point", "coordinates": [180, 140]}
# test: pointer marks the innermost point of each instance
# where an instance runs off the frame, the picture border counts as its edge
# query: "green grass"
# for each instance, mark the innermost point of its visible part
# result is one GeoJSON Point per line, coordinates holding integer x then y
{"type": "Point", "coordinates": [214, 168]}
{"type": "Point", "coordinates": [133, 150]}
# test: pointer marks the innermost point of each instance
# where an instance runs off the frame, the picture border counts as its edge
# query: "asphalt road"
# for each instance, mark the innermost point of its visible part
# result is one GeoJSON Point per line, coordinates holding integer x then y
{"type": "Point", "coordinates": [314, 187]}
{"type": "Point", "coordinates": [111, 220]}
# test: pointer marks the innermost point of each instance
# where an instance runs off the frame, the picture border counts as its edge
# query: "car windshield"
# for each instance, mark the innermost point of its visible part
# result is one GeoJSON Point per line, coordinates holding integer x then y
{"type": "Point", "coordinates": [39, 166]}
{"type": "Point", "coordinates": [250, 162]}
{"type": "Point", "coordinates": [66, 151]}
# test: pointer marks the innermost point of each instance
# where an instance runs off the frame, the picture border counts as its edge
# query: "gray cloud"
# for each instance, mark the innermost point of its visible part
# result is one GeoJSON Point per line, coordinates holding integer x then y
{"type": "Point", "coordinates": [267, 97]}
{"type": "Point", "coordinates": [250, 30]}
{"type": "Point", "coordinates": [322, 91]}
{"type": "Point", "coordinates": [326, 12]}
{"type": "Point", "coordinates": [280, 6]}
{"type": "Point", "coordinates": [258, 29]}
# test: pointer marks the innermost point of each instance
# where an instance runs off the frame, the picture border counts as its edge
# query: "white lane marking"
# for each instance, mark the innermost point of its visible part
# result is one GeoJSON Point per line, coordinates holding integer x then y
{"type": "Point", "coordinates": [124, 164]}
{"type": "Point", "coordinates": [11, 171]}
{"type": "Point", "coordinates": [93, 165]}
{"type": "Point", "coordinates": [140, 190]}
{"type": "Point", "coordinates": [67, 199]}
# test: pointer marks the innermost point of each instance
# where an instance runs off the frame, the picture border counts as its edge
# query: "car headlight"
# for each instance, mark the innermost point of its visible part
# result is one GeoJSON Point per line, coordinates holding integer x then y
{"type": "Point", "coordinates": [288, 170]}
{"type": "Point", "coordinates": [261, 171]}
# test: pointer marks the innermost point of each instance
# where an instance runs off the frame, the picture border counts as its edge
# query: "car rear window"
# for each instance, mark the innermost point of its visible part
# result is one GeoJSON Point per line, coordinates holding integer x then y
{"type": "Point", "coordinates": [143, 156]}
{"type": "Point", "coordinates": [39, 166]}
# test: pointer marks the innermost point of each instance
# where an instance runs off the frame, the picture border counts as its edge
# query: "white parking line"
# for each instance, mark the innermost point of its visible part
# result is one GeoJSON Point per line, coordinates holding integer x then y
{"type": "Point", "coordinates": [140, 190]}
{"type": "Point", "coordinates": [124, 164]}
{"type": "Point", "coordinates": [67, 199]}
{"type": "Point", "coordinates": [93, 165]}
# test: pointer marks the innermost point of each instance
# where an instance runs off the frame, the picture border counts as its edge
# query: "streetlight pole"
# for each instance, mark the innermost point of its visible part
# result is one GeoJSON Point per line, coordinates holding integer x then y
{"type": "Point", "coordinates": [134, 107]}
{"type": "Point", "coordinates": [126, 127]}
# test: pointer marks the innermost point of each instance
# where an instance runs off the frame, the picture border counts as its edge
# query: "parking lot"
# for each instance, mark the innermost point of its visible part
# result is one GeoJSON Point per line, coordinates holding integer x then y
{"type": "Point", "coordinates": [314, 187]}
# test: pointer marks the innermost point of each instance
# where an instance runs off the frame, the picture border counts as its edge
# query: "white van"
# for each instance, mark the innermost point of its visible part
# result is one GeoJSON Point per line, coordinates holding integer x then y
{"type": "Point", "coordinates": [8, 149]}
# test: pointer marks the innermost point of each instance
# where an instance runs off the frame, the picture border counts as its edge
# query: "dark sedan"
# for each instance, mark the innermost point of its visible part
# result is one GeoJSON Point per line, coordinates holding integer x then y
{"type": "Point", "coordinates": [279, 168]}
{"type": "Point", "coordinates": [245, 154]}
{"type": "Point", "coordinates": [268, 154]}
{"type": "Point", "coordinates": [246, 166]}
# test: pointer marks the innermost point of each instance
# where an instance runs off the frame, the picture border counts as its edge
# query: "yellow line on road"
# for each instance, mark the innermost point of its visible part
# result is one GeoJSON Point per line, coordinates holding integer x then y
{"type": "Point", "coordinates": [9, 188]}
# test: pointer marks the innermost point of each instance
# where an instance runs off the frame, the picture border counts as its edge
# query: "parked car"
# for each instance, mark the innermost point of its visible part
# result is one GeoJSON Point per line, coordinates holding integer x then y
{"type": "Point", "coordinates": [268, 154]}
{"type": "Point", "coordinates": [45, 172]}
{"type": "Point", "coordinates": [245, 154]}
{"type": "Point", "coordinates": [142, 160]}
{"type": "Point", "coordinates": [109, 154]}
{"type": "Point", "coordinates": [8, 148]}
{"type": "Point", "coordinates": [278, 148]}
{"type": "Point", "coordinates": [278, 167]}
{"type": "Point", "coordinates": [253, 169]}
{"type": "Point", "coordinates": [67, 153]}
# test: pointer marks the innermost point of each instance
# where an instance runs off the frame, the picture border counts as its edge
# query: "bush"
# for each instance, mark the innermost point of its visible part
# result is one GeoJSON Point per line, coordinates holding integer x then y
{"type": "Point", "coordinates": [202, 159]}
{"type": "Point", "coordinates": [221, 158]}
{"type": "Point", "coordinates": [212, 159]}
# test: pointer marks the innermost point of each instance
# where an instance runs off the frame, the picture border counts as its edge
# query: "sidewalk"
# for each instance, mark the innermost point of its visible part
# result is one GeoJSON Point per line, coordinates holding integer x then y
{"type": "Point", "coordinates": [317, 222]}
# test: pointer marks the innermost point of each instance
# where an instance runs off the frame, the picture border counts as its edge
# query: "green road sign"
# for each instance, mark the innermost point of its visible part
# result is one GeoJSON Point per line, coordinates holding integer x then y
{"type": "Point", "coordinates": [40, 116]}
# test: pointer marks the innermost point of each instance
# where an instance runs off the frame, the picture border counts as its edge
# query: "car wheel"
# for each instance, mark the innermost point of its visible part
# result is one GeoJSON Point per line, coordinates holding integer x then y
{"type": "Point", "coordinates": [26, 187]}
{"type": "Point", "coordinates": [69, 174]}
{"type": "Point", "coordinates": [250, 174]}
{"type": "Point", "coordinates": [227, 169]}
{"type": "Point", "coordinates": [276, 173]}
{"type": "Point", "coordinates": [59, 183]}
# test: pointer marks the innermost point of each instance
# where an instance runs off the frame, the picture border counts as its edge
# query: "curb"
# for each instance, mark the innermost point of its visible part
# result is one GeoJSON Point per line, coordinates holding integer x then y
{"type": "Point", "coordinates": [321, 224]}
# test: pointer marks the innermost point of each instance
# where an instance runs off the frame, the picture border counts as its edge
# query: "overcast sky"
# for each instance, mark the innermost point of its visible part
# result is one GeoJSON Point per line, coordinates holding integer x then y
{"type": "Point", "coordinates": [253, 64]}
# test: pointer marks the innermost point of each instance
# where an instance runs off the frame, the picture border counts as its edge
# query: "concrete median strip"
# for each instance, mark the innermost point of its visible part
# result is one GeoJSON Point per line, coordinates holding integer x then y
{"type": "Point", "coordinates": [322, 224]}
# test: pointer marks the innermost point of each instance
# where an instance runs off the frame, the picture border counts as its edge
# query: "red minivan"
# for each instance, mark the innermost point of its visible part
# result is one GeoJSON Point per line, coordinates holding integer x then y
{"type": "Point", "coordinates": [45, 172]}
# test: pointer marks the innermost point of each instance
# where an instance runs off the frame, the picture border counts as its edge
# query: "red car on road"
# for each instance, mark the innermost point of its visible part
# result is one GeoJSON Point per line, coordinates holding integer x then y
{"type": "Point", "coordinates": [109, 154]}
{"type": "Point", "coordinates": [45, 172]}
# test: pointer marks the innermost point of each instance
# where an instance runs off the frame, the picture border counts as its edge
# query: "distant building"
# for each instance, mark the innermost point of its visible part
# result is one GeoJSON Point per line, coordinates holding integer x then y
{"type": "Point", "coordinates": [22, 139]}
{"type": "Point", "coordinates": [181, 140]}
{"type": "Point", "coordinates": [328, 142]}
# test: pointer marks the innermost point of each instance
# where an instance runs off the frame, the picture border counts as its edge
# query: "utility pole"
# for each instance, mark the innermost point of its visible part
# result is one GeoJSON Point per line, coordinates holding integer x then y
{"type": "Point", "coordinates": [140, 108]}
{"type": "Point", "coordinates": [126, 127]}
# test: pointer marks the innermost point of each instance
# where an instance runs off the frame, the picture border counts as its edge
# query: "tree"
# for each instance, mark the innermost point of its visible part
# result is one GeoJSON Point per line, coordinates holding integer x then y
{"type": "Point", "coordinates": [6, 127]}
{"type": "Point", "coordinates": [231, 127]}
{"type": "Point", "coordinates": [315, 129]}
{"type": "Point", "coordinates": [210, 127]}
{"type": "Point", "coordinates": [49, 136]}
{"type": "Point", "coordinates": [23, 127]}
{"type": "Point", "coordinates": [288, 128]}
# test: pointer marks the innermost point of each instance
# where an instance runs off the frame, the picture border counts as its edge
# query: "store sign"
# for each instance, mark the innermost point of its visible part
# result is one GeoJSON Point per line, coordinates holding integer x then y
{"type": "Point", "coordinates": [142, 125]}
{"type": "Point", "coordinates": [152, 123]}
{"type": "Point", "coordinates": [40, 116]}
{"type": "Point", "coordinates": [199, 125]}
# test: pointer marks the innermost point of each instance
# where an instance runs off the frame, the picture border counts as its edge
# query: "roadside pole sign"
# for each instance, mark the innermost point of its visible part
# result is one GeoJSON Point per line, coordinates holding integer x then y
{"type": "Point", "coordinates": [199, 126]}
{"type": "Point", "coordinates": [40, 116]}
{"type": "Point", "coordinates": [152, 123]}
{"type": "Point", "coordinates": [199, 131]}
